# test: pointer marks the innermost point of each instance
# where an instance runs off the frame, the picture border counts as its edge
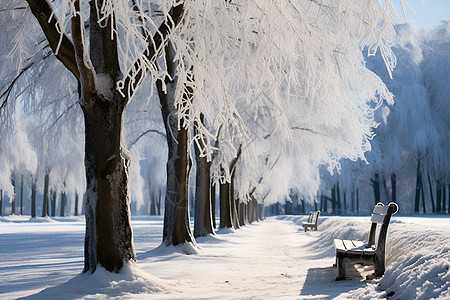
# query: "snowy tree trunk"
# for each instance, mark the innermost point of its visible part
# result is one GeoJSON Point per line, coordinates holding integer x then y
{"type": "Point", "coordinates": [75, 213]}
{"type": "Point", "coordinates": [33, 197]}
{"type": "Point", "coordinates": [203, 224]}
{"type": "Point", "coordinates": [225, 206]}
{"type": "Point", "coordinates": [63, 204]}
{"type": "Point", "coordinates": [153, 198]}
{"type": "Point", "coordinates": [21, 195]}
{"type": "Point", "coordinates": [53, 203]}
{"type": "Point", "coordinates": [376, 188]}
{"type": "Point", "coordinates": [45, 196]}
{"type": "Point", "coordinates": [433, 208]}
{"type": "Point", "coordinates": [13, 200]}
{"type": "Point", "coordinates": [108, 240]}
{"type": "Point", "coordinates": [234, 204]}
{"type": "Point", "coordinates": [417, 194]}
{"type": "Point", "coordinates": [213, 204]}
{"type": "Point", "coordinates": [243, 220]}
{"type": "Point", "coordinates": [394, 187]}
{"type": "Point", "coordinates": [438, 196]}
{"type": "Point", "coordinates": [177, 229]}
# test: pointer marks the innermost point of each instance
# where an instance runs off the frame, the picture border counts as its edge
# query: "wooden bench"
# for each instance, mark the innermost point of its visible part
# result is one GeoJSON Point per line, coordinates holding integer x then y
{"type": "Point", "coordinates": [372, 252]}
{"type": "Point", "coordinates": [312, 221]}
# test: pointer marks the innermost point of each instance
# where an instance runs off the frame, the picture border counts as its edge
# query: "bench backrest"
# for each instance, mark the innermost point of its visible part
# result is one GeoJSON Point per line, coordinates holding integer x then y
{"type": "Point", "coordinates": [310, 217]}
{"type": "Point", "coordinates": [315, 216]}
{"type": "Point", "coordinates": [381, 215]}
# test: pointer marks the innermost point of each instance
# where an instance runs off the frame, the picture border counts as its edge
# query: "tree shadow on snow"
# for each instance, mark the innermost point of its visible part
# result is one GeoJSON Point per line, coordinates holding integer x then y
{"type": "Point", "coordinates": [320, 283]}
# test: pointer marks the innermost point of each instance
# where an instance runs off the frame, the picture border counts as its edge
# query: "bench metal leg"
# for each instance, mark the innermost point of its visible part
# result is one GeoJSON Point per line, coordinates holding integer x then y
{"type": "Point", "coordinates": [379, 266]}
{"type": "Point", "coordinates": [341, 268]}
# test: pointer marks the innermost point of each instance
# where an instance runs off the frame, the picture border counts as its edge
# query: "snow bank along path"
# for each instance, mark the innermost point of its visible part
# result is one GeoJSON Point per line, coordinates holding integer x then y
{"type": "Point", "coordinates": [274, 259]}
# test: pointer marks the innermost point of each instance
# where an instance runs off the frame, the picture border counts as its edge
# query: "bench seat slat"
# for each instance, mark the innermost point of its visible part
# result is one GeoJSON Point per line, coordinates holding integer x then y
{"type": "Point", "coordinates": [380, 209]}
{"type": "Point", "coordinates": [376, 218]}
{"type": "Point", "coordinates": [350, 246]}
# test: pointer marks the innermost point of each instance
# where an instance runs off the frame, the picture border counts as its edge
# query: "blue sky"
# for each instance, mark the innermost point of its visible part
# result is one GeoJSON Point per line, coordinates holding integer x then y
{"type": "Point", "coordinates": [429, 14]}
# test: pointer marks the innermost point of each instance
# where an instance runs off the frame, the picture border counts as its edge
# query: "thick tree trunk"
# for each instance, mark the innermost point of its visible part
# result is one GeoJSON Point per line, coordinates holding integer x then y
{"type": "Point", "coordinates": [433, 208]}
{"type": "Point", "coordinates": [203, 224]}
{"type": "Point", "coordinates": [53, 203]}
{"type": "Point", "coordinates": [45, 196]}
{"type": "Point", "coordinates": [422, 192]}
{"type": "Point", "coordinates": [225, 206]}
{"type": "Point", "coordinates": [438, 196]}
{"type": "Point", "coordinates": [63, 204]}
{"type": "Point", "coordinates": [357, 201]}
{"type": "Point", "coordinates": [108, 240]}
{"type": "Point", "coordinates": [177, 229]}
{"type": "Point", "coordinates": [213, 204]}
{"type": "Point", "coordinates": [243, 214]}
{"type": "Point", "coordinates": [33, 197]}
{"type": "Point", "coordinates": [13, 200]}
{"type": "Point", "coordinates": [376, 188]}
{"type": "Point", "coordinates": [394, 187]}
{"type": "Point", "coordinates": [417, 194]}
{"type": "Point", "coordinates": [77, 200]}
{"type": "Point", "coordinates": [21, 195]}
{"type": "Point", "coordinates": [234, 204]}
{"type": "Point", "coordinates": [333, 199]}
{"type": "Point", "coordinates": [338, 198]}
{"type": "Point", "coordinates": [152, 196]}
{"type": "Point", "coordinates": [253, 210]}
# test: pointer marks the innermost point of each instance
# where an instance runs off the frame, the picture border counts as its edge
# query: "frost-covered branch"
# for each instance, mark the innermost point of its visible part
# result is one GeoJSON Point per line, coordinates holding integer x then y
{"type": "Point", "coordinates": [60, 43]}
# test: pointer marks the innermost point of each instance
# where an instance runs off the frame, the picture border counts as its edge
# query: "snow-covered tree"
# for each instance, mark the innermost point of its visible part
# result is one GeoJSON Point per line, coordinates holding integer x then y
{"type": "Point", "coordinates": [300, 60]}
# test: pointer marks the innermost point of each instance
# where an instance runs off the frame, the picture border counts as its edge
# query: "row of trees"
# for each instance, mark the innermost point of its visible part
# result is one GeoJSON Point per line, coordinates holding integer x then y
{"type": "Point", "coordinates": [243, 88]}
{"type": "Point", "coordinates": [409, 162]}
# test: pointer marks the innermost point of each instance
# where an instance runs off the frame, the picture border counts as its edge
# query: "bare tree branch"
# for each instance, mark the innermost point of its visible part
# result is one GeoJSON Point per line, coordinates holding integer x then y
{"type": "Point", "coordinates": [143, 134]}
{"type": "Point", "coordinates": [43, 12]}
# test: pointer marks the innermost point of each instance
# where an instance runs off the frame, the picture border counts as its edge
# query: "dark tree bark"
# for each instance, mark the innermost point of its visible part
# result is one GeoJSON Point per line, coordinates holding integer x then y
{"type": "Point", "coordinates": [418, 181]}
{"type": "Point", "coordinates": [53, 203]}
{"type": "Point", "coordinates": [1, 203]}
{"type": "Point", "coordinates": [152, 196]}
{"type": "Point", "coordinates": [433, 208]}
{"type": "Point", "coordinates": [77, 200]}
{"type": "Point", "coordinates": [203, 224]}
{"type": "Point", "coordinates": [234, 204]}
{"type": "Point", "coordinates": [338, 198]}
{"type": "Point", "coordinates": [443, 197]}
{"type": "Point", "coordinates": [177, 228]}
{"type": "Point", "coordinates": [33, 197]}
{"type": "Point", "coordinates": [438, 196]}
{"type": "Point", "coordinates": [21, 195]}
{"type": "Point", "coordinates": [108, 239]}
{"type": "Point", "coordinates": [13, 200]}
{"type": "Point", "coordinates": [376, 188]}
{"type": "Point", "coordinates": [45, 196]}
{"type": "Point", "coordinates": [253, 212]}
{"type": "Point", "coordinates": [357, 201]}
{"type": "Point", "coordinates": [62, 212]}
{"type": "Point", "coordinates": [225, 206]}
{"type": "Point", "coordinates": [333, 199]}
{"type": "Point", "coordinates": [422, 192]}
{"type": "Point", "coordinates": [213, 204]}
{"type": "Point", "coordinates": [243, 220]}
{"type": "Point", "coordinates": [394, 187]}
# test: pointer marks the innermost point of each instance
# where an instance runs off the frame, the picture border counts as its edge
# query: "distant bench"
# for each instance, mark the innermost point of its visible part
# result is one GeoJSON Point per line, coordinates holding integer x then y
{"type": "Point", "coordinates": [359, 252]}
{"type": "Point", "coordinates": [312, 221]}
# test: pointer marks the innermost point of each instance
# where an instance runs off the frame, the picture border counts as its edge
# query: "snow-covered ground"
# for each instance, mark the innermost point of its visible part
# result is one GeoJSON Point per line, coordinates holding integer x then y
{"type": "Point", "coordinates": [273, 259]}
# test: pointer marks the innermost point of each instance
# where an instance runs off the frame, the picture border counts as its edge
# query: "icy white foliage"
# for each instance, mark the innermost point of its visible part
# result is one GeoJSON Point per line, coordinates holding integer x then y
{"type": "Point", "coordinates": [436, 75]}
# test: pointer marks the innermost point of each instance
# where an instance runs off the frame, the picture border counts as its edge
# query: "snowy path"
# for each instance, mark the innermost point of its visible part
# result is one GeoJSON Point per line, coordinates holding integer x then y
{"type": "Point", "coordinates": [273, 259]}
{"type": "Point", "coordinates": [266, 260]}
